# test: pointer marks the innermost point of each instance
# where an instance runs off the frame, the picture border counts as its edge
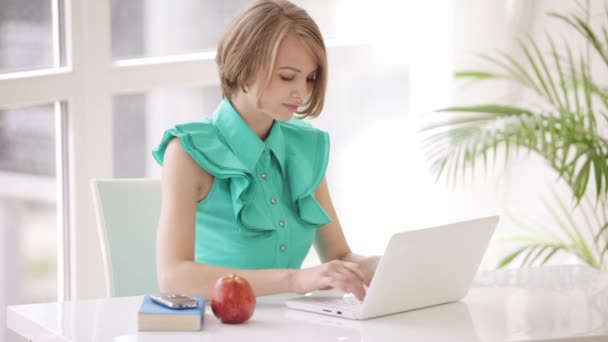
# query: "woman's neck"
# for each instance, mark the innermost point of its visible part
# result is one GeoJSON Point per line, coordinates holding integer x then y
{"type": "Point", "coordinates": [259, 122]}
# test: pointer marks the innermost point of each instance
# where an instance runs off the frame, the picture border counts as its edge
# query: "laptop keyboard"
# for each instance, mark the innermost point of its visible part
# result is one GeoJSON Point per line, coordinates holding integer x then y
{"type": "Point", "coordinates": [341, 303]}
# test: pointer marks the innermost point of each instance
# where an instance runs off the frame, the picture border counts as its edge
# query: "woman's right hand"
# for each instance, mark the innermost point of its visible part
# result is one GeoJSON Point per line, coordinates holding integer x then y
{"type": "Point", "coordinates": [343, 275]}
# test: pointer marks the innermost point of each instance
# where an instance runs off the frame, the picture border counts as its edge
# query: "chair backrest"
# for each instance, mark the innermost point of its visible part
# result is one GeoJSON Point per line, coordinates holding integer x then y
{"type": "Point", "coordinates": [127, 213]}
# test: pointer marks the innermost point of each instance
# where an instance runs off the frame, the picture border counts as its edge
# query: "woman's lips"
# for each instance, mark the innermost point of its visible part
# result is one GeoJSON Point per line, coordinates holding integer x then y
{"type": "Point", "coordinates": [290, 107]}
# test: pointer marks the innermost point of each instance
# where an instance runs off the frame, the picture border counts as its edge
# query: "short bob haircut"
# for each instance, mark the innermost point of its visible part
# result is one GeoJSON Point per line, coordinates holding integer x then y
{"type": "Point", "coordinates": [251, 43]}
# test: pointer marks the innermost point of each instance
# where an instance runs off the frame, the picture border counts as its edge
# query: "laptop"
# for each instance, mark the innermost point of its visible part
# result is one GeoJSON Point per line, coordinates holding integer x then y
{"type": "Point", "coordinates": [419, 268]}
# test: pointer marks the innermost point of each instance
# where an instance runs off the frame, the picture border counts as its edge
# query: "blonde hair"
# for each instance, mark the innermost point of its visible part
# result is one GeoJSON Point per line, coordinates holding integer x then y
{"type": "Point", "coordinates": [251, 43]}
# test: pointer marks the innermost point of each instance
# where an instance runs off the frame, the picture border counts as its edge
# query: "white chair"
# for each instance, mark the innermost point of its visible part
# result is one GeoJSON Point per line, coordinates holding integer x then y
{"type": "Point", "coordinates": [127, 213]}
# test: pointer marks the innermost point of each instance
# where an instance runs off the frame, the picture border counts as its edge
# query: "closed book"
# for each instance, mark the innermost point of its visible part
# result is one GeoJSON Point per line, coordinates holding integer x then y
{"type": "Point", "coordinates": [155, 317]}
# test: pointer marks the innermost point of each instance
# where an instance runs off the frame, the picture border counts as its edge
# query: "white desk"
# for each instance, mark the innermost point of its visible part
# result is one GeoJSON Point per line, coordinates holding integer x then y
{"type": "Point", "coordinates": [549, 303]}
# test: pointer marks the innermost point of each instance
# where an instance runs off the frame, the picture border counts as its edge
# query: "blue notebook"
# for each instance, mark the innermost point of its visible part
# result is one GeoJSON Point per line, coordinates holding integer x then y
{"type": "Point", "coordinates": [155, 317]}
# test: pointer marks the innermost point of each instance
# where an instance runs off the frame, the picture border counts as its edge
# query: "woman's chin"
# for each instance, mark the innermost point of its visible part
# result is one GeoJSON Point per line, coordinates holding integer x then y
{"type": "Point", "coordinates": [284, 116]}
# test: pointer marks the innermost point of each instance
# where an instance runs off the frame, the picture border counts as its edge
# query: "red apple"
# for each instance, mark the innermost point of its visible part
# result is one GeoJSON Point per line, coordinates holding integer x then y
{"type": "Point", "coordinates": [232, 300]}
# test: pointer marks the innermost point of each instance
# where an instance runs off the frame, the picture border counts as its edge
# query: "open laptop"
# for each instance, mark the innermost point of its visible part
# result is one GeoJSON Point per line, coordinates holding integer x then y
{"type": "Point", "coordinates": [419, 268]}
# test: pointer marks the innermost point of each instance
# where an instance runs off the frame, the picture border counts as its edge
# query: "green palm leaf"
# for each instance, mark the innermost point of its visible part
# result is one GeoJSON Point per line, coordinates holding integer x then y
{"type": "Point", "coordinates": [564, 128]}
{"type": "Point", "coordinates": [540, 246]}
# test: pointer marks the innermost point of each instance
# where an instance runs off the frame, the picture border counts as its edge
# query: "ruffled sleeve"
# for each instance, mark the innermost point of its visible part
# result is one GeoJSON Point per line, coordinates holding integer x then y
{"type": "Point", "coordinates": [203, 142]}
{"type": "Point", "coordinates": [305, 164]}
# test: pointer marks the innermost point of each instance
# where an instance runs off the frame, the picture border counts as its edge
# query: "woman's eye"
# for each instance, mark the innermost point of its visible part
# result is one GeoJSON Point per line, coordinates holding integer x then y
{"type": "Point", "coordinates": [286, 78]}
{"type": "Point", "coordinates": [313, 80]}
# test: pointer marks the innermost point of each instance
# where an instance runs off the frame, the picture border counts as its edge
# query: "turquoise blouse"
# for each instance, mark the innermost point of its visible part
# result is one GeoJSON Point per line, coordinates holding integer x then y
{"type": "Point", "coordinates": [261, 211]}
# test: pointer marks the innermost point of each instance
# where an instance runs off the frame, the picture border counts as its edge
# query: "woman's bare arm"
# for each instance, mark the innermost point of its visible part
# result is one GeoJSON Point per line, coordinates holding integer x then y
{"type": "Point", "coordinates": [330, 242]}
{"type": "Point", "coordinates": [184, 183]}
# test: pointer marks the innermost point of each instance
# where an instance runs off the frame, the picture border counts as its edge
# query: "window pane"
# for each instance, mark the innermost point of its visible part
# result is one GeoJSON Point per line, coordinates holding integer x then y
{"type": "Point", "coordinates": [158, 27]}
{"type": "Point", "coordinates": [26, 35]}
{"type": "Point", "coordinates": [27, 137]}
{"type": "Point", "coordinates": [28, 229]}
{"type": "Point", "coordinates": [141, 119]}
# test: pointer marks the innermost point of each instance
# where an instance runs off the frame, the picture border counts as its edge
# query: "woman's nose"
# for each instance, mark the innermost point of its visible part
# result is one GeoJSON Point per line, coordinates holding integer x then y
{"type": "Point", "coordinates": [296, 94]}
{"type": "Point", "coordinates": [300, 90]}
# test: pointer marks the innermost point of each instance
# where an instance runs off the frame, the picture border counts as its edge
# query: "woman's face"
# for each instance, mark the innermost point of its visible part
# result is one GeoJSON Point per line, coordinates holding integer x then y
{"type": "Point", "coordinates": [292, 82]}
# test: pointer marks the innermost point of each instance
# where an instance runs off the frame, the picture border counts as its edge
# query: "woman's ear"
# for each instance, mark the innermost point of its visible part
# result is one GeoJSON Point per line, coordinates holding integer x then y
{"type": "Point", "coordinates": [251, 81]}
{"type": "Point", "coordinates": [244, 87]}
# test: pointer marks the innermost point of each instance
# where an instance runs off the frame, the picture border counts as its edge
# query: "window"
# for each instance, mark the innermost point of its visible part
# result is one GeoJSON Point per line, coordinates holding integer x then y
{"type": "Point", "coordinates": [157, 28]}
{"type": "Point", "coordinates": [140, 121]}
{"type": "Point", "coordinates": [26, 27]}
{"type": "Point", "coordinates": [29, 250]}
{"type": "Point", "coordinates": [32, 225]}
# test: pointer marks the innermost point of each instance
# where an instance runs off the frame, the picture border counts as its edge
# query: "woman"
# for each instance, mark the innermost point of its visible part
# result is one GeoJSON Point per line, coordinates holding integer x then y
{"type": "Point", "coordinates": [244, 191]}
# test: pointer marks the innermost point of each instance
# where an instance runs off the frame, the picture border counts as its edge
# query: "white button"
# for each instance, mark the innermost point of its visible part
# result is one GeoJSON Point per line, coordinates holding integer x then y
{"type": "Point", "coordinates": [273, 200]}
{"type": "Point", "coordinates": [264, 175]}
{"type": "Point", "coordinates": [282, 223]}
{"type": "Point", "coordinates": [283, 248]}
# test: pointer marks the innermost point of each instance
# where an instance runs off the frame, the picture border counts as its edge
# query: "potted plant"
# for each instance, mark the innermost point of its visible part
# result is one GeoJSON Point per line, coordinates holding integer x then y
{"type": "Point", "coordinates": [566, 125]}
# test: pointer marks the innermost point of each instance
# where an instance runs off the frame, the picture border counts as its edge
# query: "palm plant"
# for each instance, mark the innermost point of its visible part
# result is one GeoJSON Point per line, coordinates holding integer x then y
{"type": "Point", "coordinates": [565, 124]}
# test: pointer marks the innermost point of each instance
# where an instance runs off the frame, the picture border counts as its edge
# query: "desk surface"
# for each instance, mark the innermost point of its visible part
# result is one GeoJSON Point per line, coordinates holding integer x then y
{"type": "Point", "coordinates": [547, 303]}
